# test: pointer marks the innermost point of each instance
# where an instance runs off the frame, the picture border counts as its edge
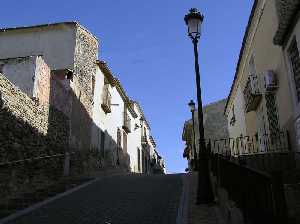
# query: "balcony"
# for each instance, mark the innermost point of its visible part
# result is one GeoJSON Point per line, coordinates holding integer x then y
{"type": "Point", "coordinates": [144, 140]}
{"type": "Point", "coordinates": [252, 94]}
{"type": "Point", "coordinates": [127, 123]}
{"type": "Point", "coordinates": [106, 99]}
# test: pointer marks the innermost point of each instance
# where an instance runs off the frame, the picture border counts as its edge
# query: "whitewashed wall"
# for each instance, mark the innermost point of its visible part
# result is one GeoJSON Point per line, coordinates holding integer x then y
{"type": "Point", "coordinates": [239, 127]}
{"type": "Point", "coordinates": [56, 44]}
{"type": "Point", "coordinates": [21, 72]}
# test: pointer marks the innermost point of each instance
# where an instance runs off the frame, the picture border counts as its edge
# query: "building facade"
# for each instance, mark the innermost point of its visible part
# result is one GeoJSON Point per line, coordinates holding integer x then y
{"type": "Point", "coordinates": [58, 65]}
{"type": "Point", "coordinates": [262, 105]}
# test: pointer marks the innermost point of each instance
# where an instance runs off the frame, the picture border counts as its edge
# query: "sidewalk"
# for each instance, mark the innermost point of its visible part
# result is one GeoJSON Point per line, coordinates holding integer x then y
{"type": "Point", "coordinates": [200, 214]}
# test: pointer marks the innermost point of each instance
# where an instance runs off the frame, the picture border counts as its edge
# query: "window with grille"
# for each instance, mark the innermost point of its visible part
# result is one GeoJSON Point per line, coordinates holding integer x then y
{"type": "Point", "coordinates": [139, 159]}
{"type": "Point", "coordinates": [124, 142]}
{"type": "Point", "coordinates": [119, 136]}
{"type": "Point", "coordinates": [93, 85]}
{"type": "Point", "coordinates": [293, 53]}
{"type": "Point", "coordinates": [272, 114]}
{"type": "Point", "coordinates": [252, 66]}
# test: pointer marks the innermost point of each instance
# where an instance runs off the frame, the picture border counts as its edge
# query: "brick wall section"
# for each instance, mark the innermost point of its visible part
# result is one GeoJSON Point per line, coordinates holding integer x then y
{"type": "Point", "coordinates": [43, 81]}
{"type": "Point", "coordinates": [28, 130]}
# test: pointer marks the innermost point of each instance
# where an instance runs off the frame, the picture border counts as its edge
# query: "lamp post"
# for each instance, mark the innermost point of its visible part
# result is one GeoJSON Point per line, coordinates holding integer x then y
{"type": "Point", "coordinates": [194, 21]}
{"type": "Point", "coordinates": [192, 109]}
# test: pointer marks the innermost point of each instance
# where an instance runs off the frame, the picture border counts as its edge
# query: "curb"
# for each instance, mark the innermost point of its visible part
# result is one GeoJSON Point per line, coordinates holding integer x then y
{"type": "Point", "coordinates": [182, 215]}
{"type": "Point", "coordinates": [51, 199]}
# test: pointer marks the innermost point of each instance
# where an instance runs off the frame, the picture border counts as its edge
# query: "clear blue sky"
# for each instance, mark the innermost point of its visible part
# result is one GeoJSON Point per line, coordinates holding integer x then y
{"type": "Point", "coordinates": [146, 46]}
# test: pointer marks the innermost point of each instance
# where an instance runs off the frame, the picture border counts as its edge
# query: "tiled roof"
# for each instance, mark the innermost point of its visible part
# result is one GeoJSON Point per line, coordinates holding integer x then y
{"type": "Point", "coordinates": [106, 71]}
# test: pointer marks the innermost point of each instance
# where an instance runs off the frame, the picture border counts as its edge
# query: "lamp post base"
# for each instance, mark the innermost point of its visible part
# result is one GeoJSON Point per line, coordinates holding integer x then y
{"type": "Point", "coordinates": [204, 192]}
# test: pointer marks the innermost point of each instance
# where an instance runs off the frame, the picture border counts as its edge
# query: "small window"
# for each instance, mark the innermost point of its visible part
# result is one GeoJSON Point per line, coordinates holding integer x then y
{"type": "Point", "coordinates": [124, 142]}
{"type": "Point", "coordinates": [93, 85]}
{"type": "Point", "coordinates": [119, 138]}
{"type": "Point", "coordinates": [252, 69]}
{"type": "Point", "coordinates": [139, 159]}
{"type": "Point", "coordinates": [232, 120]}
{"type": "Point", "coordinates": [293, 54]}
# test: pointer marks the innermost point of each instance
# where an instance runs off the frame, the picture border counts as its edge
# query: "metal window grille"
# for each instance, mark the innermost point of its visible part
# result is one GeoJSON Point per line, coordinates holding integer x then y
{"type": "Point", "coordinates": [139, 159]}
{"type": "Point", "coordinates": [293, 53]}
{"type": "Point", "coordinates": [272, 114]}
{"type": "Point", "coordinates": [119, 138]}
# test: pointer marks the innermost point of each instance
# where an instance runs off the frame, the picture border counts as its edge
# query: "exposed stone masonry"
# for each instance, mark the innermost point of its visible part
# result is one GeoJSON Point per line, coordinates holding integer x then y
{"type": "Point", "coordinates": [84, 65]}
{"type": "Point", "coordinates": [85, 56]}
{"type": "Point", "coordinates": [28, 131]}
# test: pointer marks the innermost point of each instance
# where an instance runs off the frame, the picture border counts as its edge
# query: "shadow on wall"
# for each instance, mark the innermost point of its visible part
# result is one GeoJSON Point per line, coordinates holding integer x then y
{"type": "Point", "coordinates": [29, 156]}
{"type": "Point", "coordinates": [76, 106]}
{"type": "Point", "coordinates": [35, 137]}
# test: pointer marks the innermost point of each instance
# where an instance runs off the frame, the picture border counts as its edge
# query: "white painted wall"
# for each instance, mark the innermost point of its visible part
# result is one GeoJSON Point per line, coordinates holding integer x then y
{"type": "Point", "coordinates": [239, 126]}
{"type": "Point", "coordinates": [99, 117]}
{"type": "Point", "coordinates": [109, 122]}
{"type": "Point", "coordinates": [24, 72]}
{"type": "Point", "coordinates": [21, 72]}
{"type": "Point", "coordinates": [55, 43]}
{"type": "Point", "coordinates": [135, 142]}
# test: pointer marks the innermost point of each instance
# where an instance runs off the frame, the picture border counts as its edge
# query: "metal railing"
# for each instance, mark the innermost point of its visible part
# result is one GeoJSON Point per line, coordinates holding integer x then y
{"type": "Point", "coordinates": [249, 145]}
{"type": "Point", "coordinates": [106, 99]}
{"type": "Point", "coordinates": [259, 195]}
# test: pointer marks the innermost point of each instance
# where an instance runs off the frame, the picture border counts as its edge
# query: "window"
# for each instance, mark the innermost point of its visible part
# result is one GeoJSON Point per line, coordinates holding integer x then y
{"type": "Point", "coordinates": [119, 136]}
{"type": "Point", "coordinates": [252, 66]}
{"type": "Point", "coordinates": [102, 142]}
{"type": "Point", "coordinates": [232, 120]}
{"type": "Point", "coordinates": [139, 159]}
{"type": "Point", "coordinates": [272, 114]}
{"type": "Point", "coordinates": [124, 142]}
{"type": "Point", "coordinates": [293, 54]}
{"type": "Point", "coordinates": [93, 85]}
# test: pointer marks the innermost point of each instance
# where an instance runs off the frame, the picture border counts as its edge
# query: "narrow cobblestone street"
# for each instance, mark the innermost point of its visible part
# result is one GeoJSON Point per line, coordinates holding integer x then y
{"type": "Point", "coordinates": [131, 199]}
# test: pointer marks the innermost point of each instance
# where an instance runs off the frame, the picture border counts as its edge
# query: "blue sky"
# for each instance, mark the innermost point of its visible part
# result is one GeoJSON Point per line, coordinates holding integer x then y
{"type": "Point", "coordinates": [146, 47]}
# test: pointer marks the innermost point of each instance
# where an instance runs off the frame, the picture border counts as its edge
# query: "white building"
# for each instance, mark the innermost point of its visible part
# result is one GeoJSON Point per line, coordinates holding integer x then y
{"type": "Point", "coordinates": [120, 131]}
{"type": "Point", "coordinates": [102, 117]}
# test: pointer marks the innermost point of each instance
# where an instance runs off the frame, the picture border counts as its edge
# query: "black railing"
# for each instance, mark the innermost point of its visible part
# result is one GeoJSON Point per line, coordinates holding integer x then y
{"type": "Point", "coordinates": [248, 145]}
{"type": "Point", "coordinates": [259, 195]}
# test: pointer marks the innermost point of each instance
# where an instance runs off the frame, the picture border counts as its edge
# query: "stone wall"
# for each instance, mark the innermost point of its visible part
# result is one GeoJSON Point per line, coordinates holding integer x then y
{"type": "Point", "coordinates": [86, 51]}
{"type": "Point", "coordinates": [29, 133]}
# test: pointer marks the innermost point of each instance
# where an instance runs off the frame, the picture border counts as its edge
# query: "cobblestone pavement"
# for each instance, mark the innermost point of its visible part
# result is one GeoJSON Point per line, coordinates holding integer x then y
{"type": "Point", "coordinates": [126, 199]}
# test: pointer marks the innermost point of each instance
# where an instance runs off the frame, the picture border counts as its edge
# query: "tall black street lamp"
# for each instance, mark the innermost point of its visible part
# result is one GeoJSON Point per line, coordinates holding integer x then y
{"type": "Point", "coordinates": [194, 21]}
{"type": "Point", "coordinates": [192, 109]}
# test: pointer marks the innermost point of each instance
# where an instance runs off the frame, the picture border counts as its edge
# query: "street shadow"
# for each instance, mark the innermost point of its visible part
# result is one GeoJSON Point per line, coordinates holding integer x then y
{"type": "Point", "coordinates": [31, 159]}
